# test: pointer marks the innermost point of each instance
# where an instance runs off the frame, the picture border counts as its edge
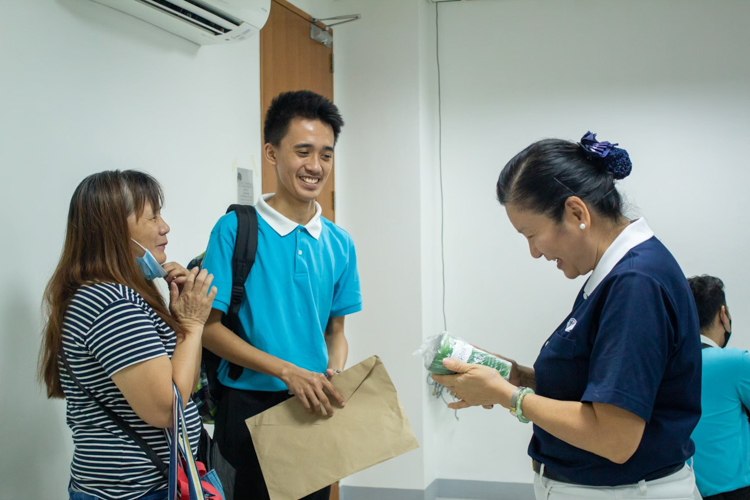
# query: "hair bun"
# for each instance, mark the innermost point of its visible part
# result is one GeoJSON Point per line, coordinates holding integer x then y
{"type": "Point", "coordinates": [615, 160]}
{"type": "Point", "coordinates": [618, 163]}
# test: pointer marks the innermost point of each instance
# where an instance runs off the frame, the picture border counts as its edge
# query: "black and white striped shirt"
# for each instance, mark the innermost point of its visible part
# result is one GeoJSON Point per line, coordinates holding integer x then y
{"type": "Point", "coordinates": [109, 327]}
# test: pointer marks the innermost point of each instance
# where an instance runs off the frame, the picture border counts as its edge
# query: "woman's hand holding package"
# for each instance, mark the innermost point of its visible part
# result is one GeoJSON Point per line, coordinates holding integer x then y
{"type": "Point", "coordinates": [475, 385]}
{"type": "Point", "coordinates": [519, 375]}
{"type": "Point", "coordinates": [192, 305]}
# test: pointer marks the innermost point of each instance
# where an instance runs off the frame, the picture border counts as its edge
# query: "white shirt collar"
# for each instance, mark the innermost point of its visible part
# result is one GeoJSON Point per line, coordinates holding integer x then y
{"type": "Point", "coordinates": [636, 233]}
{"type": "Point", "coordinates": [284, 226]}
{"type": "Point", "coordinates": [706, 340]}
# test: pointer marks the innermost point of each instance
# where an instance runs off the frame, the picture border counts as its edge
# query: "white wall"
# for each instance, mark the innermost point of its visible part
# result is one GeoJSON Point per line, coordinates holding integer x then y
{"type": "Point", "coordinates": [378, 93]}
{"type": "Point", "coordinates": [432, 313]}
{"type": "Point", "coordinates": [668, 80]}
{"type": "Point", "coordinates": [85, 88]}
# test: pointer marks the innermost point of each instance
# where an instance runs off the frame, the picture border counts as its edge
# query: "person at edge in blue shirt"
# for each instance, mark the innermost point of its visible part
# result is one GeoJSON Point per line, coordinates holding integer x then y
{"type": "Point", "coordinates": [722, 437]}
{"type": "Point", "coordinates": [618, 382]}
{"type": "Point", "coordinates": [302, 285]}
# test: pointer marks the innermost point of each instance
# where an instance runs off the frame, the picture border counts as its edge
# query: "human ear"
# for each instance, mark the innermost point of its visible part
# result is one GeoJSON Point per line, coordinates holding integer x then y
{"type": "Point", "coordinates": [724, 318]}
{"type": "Point", "coordinates": [577, 212]}
{"type": "Point", "coordinates": [270, 153]}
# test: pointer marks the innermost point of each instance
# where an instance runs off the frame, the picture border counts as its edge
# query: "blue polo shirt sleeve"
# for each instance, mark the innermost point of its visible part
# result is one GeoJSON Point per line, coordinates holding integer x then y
{"type": "Point", "coordinates": [218, 259]}
{"type": "Point", "coordinates": [632, 345]}
{"type": "Point", "coordinates": [347, 297]}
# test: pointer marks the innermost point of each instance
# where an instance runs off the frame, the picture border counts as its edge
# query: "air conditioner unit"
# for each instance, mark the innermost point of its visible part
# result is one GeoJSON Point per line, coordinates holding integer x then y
{"type": "Point", "coordinates": [201, 21]}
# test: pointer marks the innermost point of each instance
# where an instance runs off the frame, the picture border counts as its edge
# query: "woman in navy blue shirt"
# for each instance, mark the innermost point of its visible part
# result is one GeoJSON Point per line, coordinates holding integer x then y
{"type": "Point", "coordinates": [615, 392]}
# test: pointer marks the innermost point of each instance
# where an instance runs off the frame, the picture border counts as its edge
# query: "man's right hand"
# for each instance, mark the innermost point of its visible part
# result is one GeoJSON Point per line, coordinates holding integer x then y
{"type": "Point", "coordinates": [312, 389]}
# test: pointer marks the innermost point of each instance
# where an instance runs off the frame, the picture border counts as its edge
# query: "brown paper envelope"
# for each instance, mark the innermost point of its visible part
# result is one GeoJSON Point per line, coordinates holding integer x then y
{"type": "Point", "coordinates": [301, 453]}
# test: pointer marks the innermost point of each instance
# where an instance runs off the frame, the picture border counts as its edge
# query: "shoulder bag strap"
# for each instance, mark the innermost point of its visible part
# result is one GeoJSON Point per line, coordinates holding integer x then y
{"type": "Point", "coordinates": [118, 420]}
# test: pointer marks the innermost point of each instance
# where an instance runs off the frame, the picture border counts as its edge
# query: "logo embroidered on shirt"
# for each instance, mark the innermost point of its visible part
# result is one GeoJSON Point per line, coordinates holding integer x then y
{"type": "Point", "coordinates": [571, 324]}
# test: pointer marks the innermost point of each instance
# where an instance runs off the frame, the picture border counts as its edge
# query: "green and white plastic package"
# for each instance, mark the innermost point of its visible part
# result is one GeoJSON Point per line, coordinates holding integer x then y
{"type": "Point", "coordinates": [444, 345]}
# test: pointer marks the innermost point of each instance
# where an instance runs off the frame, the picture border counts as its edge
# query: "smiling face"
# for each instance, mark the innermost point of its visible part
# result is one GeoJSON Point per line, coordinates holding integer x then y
{"type": "Point", "coordinates": [303, 159]}
{"type": "Point", "coordinates": [149, 230]}
{"type": "Point", "coordinates": [563, 242]}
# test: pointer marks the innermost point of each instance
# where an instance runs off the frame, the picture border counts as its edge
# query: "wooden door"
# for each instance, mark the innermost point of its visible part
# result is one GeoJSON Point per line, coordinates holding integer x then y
{"type": "Point", "coordinates": [291, 60]}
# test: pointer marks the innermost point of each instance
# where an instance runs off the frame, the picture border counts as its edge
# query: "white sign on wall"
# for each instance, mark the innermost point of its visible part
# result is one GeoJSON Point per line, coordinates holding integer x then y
{"type": "Point", "coordinates": [245, 193]}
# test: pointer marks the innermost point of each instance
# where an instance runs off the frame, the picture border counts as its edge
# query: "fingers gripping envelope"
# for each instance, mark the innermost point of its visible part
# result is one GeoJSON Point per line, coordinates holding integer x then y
{"type": "Point", "coordinates": [300, 453]}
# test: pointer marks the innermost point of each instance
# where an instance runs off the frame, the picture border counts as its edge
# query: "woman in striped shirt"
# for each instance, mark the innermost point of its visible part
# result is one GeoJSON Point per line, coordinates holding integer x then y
{"type": "Point", "coordinates": [123, 344]}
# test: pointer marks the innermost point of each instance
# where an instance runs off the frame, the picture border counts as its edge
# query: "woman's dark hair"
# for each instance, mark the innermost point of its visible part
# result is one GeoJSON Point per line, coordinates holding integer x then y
{"type": "Point", "coordinates": [97, 250]}
{"type": "Point", "coordinates": [708, 293]}
{"type": "Point", "coordinates": [544, 175]}
{"type": "Point", "coordinates": [299, 104]}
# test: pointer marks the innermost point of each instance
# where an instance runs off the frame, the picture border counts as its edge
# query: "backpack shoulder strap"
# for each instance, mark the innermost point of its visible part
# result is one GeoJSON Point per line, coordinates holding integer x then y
{"type": "Point", "coordinates": [243, 258]}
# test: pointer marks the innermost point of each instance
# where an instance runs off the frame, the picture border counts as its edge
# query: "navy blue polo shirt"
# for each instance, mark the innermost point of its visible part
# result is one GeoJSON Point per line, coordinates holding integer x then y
{"type": "Point", "coordinates": [632, 340]}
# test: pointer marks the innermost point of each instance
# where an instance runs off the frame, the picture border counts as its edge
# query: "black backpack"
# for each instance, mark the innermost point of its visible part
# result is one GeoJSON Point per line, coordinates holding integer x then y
{"type": "Point", "coordinates": [207, 394]}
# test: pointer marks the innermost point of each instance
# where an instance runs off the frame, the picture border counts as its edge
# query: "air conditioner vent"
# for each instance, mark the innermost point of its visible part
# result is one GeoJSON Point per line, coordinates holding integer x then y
{"type": "Point", "coordinates": [189, 16]}
{"type": "Point", "coordinates": [205, 22]}
{"type": "Point", "coordinates": [213, 10]}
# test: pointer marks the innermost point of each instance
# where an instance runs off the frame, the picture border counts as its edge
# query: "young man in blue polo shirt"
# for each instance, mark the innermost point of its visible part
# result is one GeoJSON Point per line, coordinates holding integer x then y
{"type": "Point", "coordinates": [302, 285]}
{"type": "Point", "coordinates": [722, 437]}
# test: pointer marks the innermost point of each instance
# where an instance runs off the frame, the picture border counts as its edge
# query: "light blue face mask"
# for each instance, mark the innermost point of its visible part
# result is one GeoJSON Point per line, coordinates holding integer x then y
{"type": "Point", "coordinates": [150, 267]}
